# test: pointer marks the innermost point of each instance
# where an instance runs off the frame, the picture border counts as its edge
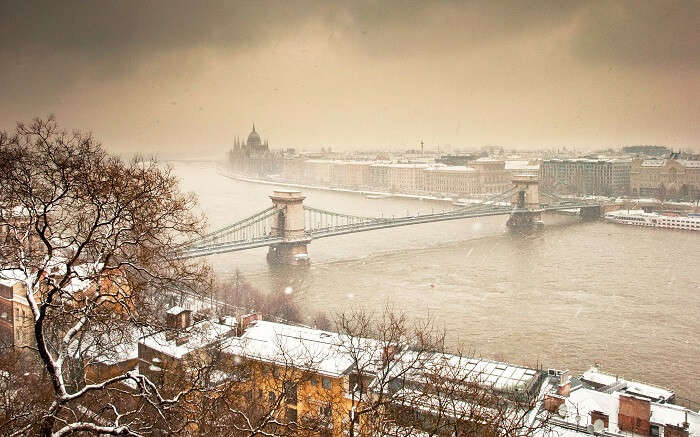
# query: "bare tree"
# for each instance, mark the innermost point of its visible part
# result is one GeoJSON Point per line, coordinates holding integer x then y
{"type": "Point", "coordinates": [91, 237]}
{"type": "Point", "coordinates": [406, 382]}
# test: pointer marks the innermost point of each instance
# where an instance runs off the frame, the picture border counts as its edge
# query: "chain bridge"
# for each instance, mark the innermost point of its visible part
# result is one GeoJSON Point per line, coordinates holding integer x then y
{"type": "Point", "coordinates": [288, 226]}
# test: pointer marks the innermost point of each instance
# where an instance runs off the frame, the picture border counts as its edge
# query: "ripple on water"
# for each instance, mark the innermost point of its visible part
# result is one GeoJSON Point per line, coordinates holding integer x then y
{"type": "Point", "coordinates": [566, 297]}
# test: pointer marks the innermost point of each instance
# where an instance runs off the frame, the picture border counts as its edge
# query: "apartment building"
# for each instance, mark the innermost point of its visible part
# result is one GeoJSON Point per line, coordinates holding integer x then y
{"type": "Point", "coordinates": [667, 178]}
{"type": "Point", "coordinates": [452, 179]}
{"type": "Point", "coordinates": [597, 403]}
{"type": "Point", "coordinates": [581, 176]}
{"type": "Point", "coordinates": [406, 177]}
{"type": "Point", "coordinates": [16, 319]}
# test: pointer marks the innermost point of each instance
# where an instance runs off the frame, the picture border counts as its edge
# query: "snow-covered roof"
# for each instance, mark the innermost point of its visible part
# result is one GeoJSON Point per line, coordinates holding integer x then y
{"type": "Point", "coordinates": [634, 388]}
{"type": "Point", "coordinates": [689, 163]}
{"type": "Point", "coordinates": [10, 277]}
{"type": "Point", "coordinates": [324, 352]}
{"type": "Point", "coordinates": [407, 165]}
{"type": "Point", "coordinates": [582, 401]}
{"type": "Point", "coordinates": [452, 168]}
{"type": "Point", "coordinates": [647, 391]}
{"type": "Point", "coordinates": [175, 310]}
{"type": "Point", "coordinates": [662, 162]}
{"type": "Point", "coordinates": [500, 376]}
{"type": "Point", "coordinates": [521, 165]}
{"type": "Point", "coordinates": [486, 159]}
{"type": "Point", "coordinates": [110, 347]}
{"type": "Point", "coordinates": [200, 335]}
{"type": "Point", "coordinates": [595, 376]}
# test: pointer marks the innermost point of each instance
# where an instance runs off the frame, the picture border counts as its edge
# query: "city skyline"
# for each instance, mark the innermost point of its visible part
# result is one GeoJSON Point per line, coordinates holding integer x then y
{"type": "Point", "coordinates": [177, 80]}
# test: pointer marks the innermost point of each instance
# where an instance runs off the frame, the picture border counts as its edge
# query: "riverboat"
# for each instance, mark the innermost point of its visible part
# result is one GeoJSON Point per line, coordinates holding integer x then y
{"type": "Point", "coordinates": [654, 220]}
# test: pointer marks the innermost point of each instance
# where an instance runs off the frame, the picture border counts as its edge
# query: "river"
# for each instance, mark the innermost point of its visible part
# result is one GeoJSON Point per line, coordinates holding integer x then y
{"type": "Point", "coordinates": [566, 297]}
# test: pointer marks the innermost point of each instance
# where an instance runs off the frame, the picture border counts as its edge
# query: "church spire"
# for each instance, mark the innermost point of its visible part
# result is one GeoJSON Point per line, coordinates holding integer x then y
{"type": "Point", "coordinates": [253, 126]}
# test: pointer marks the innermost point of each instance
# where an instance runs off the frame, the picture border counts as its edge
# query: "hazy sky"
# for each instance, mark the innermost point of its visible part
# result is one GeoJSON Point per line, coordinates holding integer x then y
{"type": "Point", "coordinates": [186, 76]}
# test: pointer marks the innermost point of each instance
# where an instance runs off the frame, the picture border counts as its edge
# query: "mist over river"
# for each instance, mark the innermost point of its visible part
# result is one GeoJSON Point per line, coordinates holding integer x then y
{"type": "Point", "coordinates": [566, 297]}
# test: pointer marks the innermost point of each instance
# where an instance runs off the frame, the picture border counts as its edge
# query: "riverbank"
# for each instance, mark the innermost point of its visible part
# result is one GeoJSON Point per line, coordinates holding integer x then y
{"type": "Point", "coordinates": [379, 194]}
{"type": "Point", "coordinates": [624, 203]}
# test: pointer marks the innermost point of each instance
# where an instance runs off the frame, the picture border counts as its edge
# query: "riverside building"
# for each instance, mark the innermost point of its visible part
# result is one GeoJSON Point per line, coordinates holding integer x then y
{"type": "Point", "coordinates": [665, 178]}
{"type": "Point", "coordinates": [581, 176]}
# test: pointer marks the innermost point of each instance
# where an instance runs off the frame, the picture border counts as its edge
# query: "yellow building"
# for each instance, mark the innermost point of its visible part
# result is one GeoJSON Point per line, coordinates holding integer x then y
{"type": "Point", "coordinates": [317, 372]}
{"type": "Point", "coordinates": [452, 179]}
{"type": "Point", "coordinates": [16, 320]}
{"type": "Point", "coordinates": [406, 177]}
{"type": "Point", "coordinates": [493, 176]}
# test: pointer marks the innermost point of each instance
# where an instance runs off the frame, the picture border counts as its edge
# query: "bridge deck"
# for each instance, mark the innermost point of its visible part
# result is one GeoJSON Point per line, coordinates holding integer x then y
{"type": "Point", "coordinates": [212, 247]}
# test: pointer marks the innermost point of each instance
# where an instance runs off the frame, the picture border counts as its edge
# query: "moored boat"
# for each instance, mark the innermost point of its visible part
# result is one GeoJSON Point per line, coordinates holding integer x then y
{"type": "Point", "coordinates": [649, 219]}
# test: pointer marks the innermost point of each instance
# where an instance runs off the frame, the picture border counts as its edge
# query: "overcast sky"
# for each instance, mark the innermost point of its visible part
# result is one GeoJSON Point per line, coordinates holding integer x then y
{"type": "Point", "coordinates": [176, 76]}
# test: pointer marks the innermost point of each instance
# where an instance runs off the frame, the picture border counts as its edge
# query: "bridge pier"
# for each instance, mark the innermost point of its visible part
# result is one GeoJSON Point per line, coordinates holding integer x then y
{"type": "Point", "coordinates": [590, 212]}
{"type": "Point", "coordinates": [525, 220]}
{"type": "Point", "coordinates": [288, 254]}
{"type": "Point", "coordinates": [289, 223]}
{"type": "Point", "coordinates": [526, 202]}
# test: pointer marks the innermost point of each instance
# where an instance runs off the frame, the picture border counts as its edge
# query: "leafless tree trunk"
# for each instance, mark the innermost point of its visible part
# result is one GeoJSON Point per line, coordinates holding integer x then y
{"type": "Point", "coordinates": [92, 238]}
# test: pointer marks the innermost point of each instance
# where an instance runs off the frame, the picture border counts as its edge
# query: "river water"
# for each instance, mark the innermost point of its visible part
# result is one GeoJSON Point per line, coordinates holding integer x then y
{"type": "Point", "coordinates": [566, 297]}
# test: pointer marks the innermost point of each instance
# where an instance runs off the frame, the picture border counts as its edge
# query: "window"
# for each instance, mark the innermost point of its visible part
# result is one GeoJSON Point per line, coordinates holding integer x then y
{"type": "Point", "coordinates": [324, 410]}
{"type": "Point", "coordinates": [326, 382]}
{"type": "Point", "coordinates": [271, 397]}
{"type": "Point", "coordinates": [291, 415]}
{"type": "Point", "coordinates": [314, 381]}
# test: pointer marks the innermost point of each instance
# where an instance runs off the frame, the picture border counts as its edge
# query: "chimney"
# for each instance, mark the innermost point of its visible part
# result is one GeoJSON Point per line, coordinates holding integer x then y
{"type": "Point", "coordinates": [182, 340]}
{"type": "Point", "coordinates": [598, 415]}
{"type": "Point", "coordinates": [178, 317]}
{"type": "Point", "coordinates": [247, 320]}
{"type": "Point", "coordinates": [634, 415]}
{"type": "Point", "coordinates": [185, 319]}
{"type": "Point", "coordinates": [564, 388]}
{"type": "Point", "coordinates": [676, 431]}
{"type": "Point", "coordinates": [552, 402]}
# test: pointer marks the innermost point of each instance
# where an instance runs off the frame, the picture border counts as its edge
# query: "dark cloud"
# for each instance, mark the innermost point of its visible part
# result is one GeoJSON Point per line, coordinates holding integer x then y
{"type": "Point", "coordinates": [111, 62]}
{"type": "Point", "coordinates": [103, 38]}
{"type": "Point", "coordinates": [644, 34]}
{"type": "Point", "coordinates": [655, 32]}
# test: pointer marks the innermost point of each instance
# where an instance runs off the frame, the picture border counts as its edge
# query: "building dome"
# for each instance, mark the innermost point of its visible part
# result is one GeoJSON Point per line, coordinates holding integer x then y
{"type": "Point", "coordinates": [254, 139]}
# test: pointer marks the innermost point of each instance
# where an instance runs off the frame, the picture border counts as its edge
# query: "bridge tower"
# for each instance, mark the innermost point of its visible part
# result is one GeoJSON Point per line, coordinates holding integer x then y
{"type": "Point", "coordinates": [526, 203]}
{"type": "Point", "coordinates": [288, 223]}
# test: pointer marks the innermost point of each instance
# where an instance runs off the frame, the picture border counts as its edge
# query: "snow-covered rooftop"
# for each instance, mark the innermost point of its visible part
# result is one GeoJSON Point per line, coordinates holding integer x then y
{"type": "Point", "coordinates": [689, 163]}
{"type": "Point", "coordinates": [175, 310]}
{"type": "Point", "coordinates": [621, 385]}
{"type": "Point", "coordinates": [10, 277]}
{"type": "Point", "coordinates": [500, 376]}
{"type": "Point", "coordinates": [582, 401]}
{"type": "Point", "coordinates": [325, 352]}
{"type": "Point", "coordinates": [452, 168]}
{"type": "Point", "coordinates": [200, 335]}
{"type": "Point", "coordinates": [661, 162]}
{"type": "Point", "coordinates": [110, 347]}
